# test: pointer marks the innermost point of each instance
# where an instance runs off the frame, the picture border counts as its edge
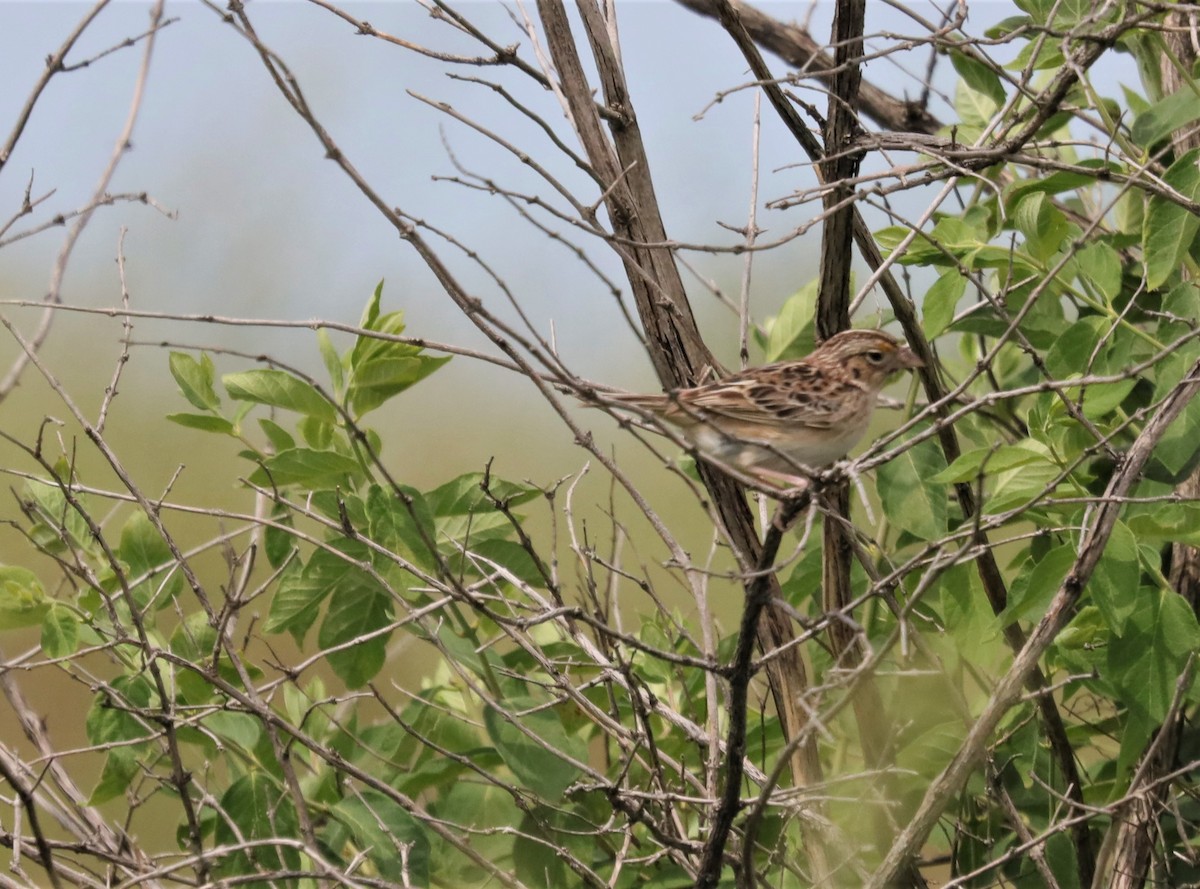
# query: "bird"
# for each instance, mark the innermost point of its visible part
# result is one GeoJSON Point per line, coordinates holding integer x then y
{"type": "Point", "coordinates": [776, 420]}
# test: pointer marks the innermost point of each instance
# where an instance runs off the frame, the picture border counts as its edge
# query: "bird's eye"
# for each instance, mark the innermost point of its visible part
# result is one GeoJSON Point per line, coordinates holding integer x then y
{"type": "Point", "coordinates": [875, 356]}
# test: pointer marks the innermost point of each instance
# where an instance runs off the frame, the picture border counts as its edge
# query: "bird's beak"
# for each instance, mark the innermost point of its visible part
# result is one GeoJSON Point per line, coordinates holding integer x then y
{"type": "Point", "coordinates": [908, 358]}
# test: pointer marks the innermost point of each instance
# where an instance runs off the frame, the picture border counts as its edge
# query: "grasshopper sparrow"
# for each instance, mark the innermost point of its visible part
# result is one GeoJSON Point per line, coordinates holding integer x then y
{"type": "Point", "coordinates": [771, 421]}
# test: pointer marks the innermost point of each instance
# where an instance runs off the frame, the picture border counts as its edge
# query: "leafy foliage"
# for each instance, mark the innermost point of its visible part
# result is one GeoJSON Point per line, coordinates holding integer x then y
{"type": "Point", "coordinates": [577, 724]}
{"type": "Point", "coordinates": [375, 558]}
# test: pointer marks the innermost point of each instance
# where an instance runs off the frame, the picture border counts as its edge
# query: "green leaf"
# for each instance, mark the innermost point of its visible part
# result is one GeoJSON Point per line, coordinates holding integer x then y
{"type": "Point", "coordinates": [386, 372]}
{"type": "Point", "coordinates": [280, 438]}
{"type": "Point", "coordinates": [535, 763]}
{"type": "Point", "coordinates": [1101, 399]}
{"type": "Point", "coordinates": [1089, 346]}
{"type": "Point", "coordinates": [941, 300]}
{"type": "Point", "coordinates": [465, 652]}
{"type": "Point", "coordinates": [380, 368]}
{"type": "Point", "coordinates": [1009, 25]}
{"type": "Point", "coordinates": [329, 572]}
{"type": "Point", "coordinates": [195, 379]}
{"type": "Point", "coordinates": [1014, 266]}
{"type": "Point", "coordinates": [240, 731]}
{"type": "Point", "coordinates": [1165, 116]}
{"type": "Point", "coordinates": [355, 613]}
{"type": "Point", "coordinates": [1093, 171]}
{"type": "Point", "coordinates": [1044, 226]}
{"type": "Point", "coordinates": [120, 768]}
{"type": "Point", "coordinates": [1100, 265]}
{"type": "Point", "coordinates": [1146, 661]}
{"type": "Point", "coordinates": [1178, 451]}
{"type": "Point", "coordinates": [1082, 638]}
{"type": "Point", "coordinates": [489, 814]}
{"type": "Point", "coordinates": [280, 389]}
{"type": "Point", "coordinates": [60, 631]}
{"type": "Point", "coordinates": [1017, 486]}
{"type": "Point", "coordinates": [465, 514]}
{"type": "Point", "coordinates": [464, 495]}
{"type": "Point", "coordinates": [203, 422]}
{"type": "Point", "coordinates": [333, 361]}
{"type": "Point", "coordinates": [538, 852]}
{"type": "Point", "coordinates": [790, 333]}
{"type": "Point", "coordinates": [910, 500]}
{"type": "Point", "coordinates": [107, 722]}
{"type": "Point", "coordinates": [1062, 860]}
{"type": "Point", "coordinates": [973, 630]}
{"type": "Point", "coordinates": [23, 602]}
{"type": "Point", "coordinates": [891, 237]}
{"type": "Point", "coordinates": [296, 603]}
{"type": "Point", "coordinates": [304, 466]}
{"type": "Point", "coordinates": [1130, 213]}
{"type": "Point", "coordinates": [1037, 55]}
{"type": "Point", "coordinates": [384, 376]}
{"type": "Point", "coordinates": [440, 773]}
{"type": "Point", "coordinates": [992, 461]}
{"type": "Point", "coordinates": [317, 434]}
{"type": "Point", "coordinates": [393, 840]}
{"type": "Point", "coordinates": [147, 556]}
{"type": "Point", "coordinates": [928, 752]}
{"type": "Point", "coordinates": [365, 347]}
{"type": "Point", "coordinates": [1139, 728]}
{"type": "Point", "coordinates": [1114, 583]}
{"type": "Point", "coordinates": [978, 76]}
{"type": "Point", "coordinates": [371, 312]}
{"type": "Point", "coordinates": [1073, 350]}
{"type": "Point", "coordinates": [958, 236]}
{"type": "Point", "coordinates": [1036, 585]}
{"type": "Point", "coordinates": [279, 541]}
{"type": "Point", "coordinates": [256, 808]}
{"type": "Point", "coordinates": [974, 109]}
{"type": "Point", "coordinates": [194, 640]}
{"type": "Point", "coordinates": [403, 524]}
{"type": "Point", "coordinates": [1169, 229]}
{"type": "Point", "coordinates": [483, 556]}
{"type": "Point", "coordinates": [1166, 522]}
{"type": "Point", "coordinates": [57, 519]}
{"type": "Point", "coordinates": [1175, 367]}
{"type": "Point", "coordinates": [341, 506]}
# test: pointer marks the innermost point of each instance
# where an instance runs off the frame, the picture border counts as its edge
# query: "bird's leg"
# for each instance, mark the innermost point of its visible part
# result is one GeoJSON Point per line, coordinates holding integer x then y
{"type": "Point", "coordinates": [795, 484]}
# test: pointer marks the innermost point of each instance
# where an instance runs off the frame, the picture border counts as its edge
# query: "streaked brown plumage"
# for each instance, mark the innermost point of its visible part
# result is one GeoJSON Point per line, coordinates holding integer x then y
{"type": "Point", "coordinates": [771, 420]}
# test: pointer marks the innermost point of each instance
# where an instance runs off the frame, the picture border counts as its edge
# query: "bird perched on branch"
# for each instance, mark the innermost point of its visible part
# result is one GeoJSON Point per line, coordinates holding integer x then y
{"type": "Point", "coordinates": [773, 421]}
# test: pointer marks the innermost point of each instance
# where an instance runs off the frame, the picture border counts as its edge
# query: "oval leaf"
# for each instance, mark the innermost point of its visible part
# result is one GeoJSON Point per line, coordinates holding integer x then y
{"type": "Point", "coordinates": [304, 466]}
{"type": "Point", "coordinates": [279, 389]}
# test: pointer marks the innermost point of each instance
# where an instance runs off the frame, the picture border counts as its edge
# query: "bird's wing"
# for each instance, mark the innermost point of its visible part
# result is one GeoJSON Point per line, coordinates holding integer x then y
{"type": "Point", "coordinates": [793, 394]}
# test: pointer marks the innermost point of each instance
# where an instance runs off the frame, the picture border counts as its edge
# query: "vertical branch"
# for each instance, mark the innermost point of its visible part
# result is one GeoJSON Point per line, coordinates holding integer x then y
{"type": "Point", "coordinates": [676, 348]}
{"type": "Point", "coordinates": [838, 166]}
{"type": "Point", "coordinates": [758, 601]}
